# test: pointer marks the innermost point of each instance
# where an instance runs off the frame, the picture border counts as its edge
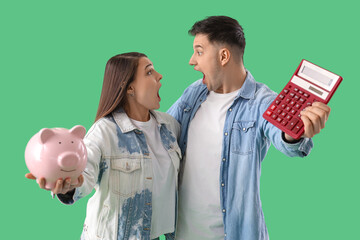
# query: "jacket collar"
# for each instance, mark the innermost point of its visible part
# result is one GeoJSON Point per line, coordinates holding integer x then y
{"type": "Point", "coordinates": [248, 89]}
{"type": "Point", "coordinates": [125, 124]}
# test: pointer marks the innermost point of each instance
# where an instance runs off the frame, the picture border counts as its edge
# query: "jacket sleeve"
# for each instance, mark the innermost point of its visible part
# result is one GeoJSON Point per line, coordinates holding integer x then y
{"type": "Point", "coordinates": [93, 143]}
{"type": "Point", "coordinates": [301, 148]}
{"type": "Point", "coordinates": [176, 111]}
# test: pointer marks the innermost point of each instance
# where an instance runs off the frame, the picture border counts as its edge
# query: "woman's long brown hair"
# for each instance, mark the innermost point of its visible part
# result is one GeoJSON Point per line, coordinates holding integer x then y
{"type": "Point", "coordinates": [119, 73]}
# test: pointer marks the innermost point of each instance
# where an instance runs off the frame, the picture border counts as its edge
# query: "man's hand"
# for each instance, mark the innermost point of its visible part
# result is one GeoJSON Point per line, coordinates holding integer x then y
{"type": "Point", "coordinates": [314, 118]}
{"type": "Point", "coordinates": [62, 186]}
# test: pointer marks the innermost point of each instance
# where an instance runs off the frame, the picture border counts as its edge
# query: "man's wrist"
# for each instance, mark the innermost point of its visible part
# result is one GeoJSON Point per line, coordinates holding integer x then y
{"type": "Point", "coordinates": [289, 139]}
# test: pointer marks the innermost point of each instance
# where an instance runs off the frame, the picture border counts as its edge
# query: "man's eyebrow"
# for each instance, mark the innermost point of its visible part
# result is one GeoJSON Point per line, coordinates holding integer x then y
{"type": "Point", "coordinates": [198, 46]}
{"type": "Point", "coordinates": [148, 65]}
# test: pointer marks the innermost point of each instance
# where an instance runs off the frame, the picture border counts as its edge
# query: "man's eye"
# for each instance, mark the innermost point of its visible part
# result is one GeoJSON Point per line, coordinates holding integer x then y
{"type": "Point", "coordinates": [199, 53]}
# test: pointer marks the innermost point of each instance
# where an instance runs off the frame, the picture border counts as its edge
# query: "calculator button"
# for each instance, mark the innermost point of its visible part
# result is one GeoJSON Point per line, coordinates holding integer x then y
{"type": "Point", "coordinates": [288, 117]}
{"type": "Point", "coordinates": [283, 114]}
{"type": "Point", "coordinates": [292, 94]}
{"type": "Point", "coordinates": [274, 116]}
{"type": "Point", "coordinates": [281, 96]}
{"type": "Point", "coordinates": [278, 111]}
{"type": "Point", "coordinates": [277, 102]}
{"type": "Point", "coordinates": [268, 112]}
{"type": "Point", "coordinates": [284, 122]}
{"type": "Point", "coordinates": [296, 97]}
{"type": "Point", "coordinates": [306, 95]}
{"type": "Point", "coordinates": [286, 91]}
{"type": "Point", "coordinates": [292, 124]}
{"type": "Point", "coordinates": [288, 108]}
{"type": "Point", "coordinates": [298, 127]}
{"type": "Point", "coordinates": [292, 103]}
{"type": "Point", "coordinates": [287, 100]}
{"type": "Point", "coordinates": [283, 106]}
{"type": "Point", "coordinates": [301, 92]}
{"type": "Point", "coordinates": [273, 107]}
{"type": "Point", "coordinates": [293, 112]}
{"type": "Point", "coordinates": [308, 104]}
{"type": "Point", "coordinates": [301, 100]}
{"type": "Point", "coordinates": [298, 106]}
{"type": "Point", "coordinates": [279, 119]}
{"type": "Point", "coordinates": [295, 89]}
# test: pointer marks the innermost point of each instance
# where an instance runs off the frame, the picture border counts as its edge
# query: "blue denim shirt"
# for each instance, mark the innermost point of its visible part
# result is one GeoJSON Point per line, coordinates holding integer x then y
{"type": "Point", "coordinates": [119, 168]}
{"type": "Point", "coordinates": [247, 138]}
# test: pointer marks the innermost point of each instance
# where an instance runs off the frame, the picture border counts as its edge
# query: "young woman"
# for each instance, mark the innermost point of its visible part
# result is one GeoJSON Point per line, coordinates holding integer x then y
{"type": "Point", "coordinates": [133, 157]}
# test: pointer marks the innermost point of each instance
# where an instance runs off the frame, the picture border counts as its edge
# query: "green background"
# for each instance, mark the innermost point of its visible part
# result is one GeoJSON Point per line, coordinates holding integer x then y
{"type": "Point", "coordinates": [53, 55]}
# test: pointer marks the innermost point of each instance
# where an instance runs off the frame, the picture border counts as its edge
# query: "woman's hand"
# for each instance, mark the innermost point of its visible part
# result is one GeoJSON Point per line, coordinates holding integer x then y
{"type": "Point", "coordinates": [62, 186]}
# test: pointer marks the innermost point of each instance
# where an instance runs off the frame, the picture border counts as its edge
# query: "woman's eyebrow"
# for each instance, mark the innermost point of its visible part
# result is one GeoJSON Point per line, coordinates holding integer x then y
{"type": "Point", "coordinates": [148, 65]}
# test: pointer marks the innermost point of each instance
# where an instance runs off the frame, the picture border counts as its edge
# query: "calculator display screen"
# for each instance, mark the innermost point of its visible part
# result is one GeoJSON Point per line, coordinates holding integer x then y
{"type": "Point", "coordinates": [315, 75]}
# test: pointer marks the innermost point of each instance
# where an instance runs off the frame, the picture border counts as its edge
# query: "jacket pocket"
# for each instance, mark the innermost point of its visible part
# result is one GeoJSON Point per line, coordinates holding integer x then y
{"type": "Point", "coordinates": [243, 137]}
{"type": "Point", "coordinates": [125, 176]}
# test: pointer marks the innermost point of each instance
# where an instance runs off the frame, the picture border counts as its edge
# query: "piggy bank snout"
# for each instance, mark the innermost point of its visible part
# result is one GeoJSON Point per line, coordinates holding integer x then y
{"type": "Point", "coordinates": [68, 160]}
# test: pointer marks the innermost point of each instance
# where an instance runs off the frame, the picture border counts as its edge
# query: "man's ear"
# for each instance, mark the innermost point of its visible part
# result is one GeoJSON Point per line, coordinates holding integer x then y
{"type": "Point", "coordinates": [225, 55]}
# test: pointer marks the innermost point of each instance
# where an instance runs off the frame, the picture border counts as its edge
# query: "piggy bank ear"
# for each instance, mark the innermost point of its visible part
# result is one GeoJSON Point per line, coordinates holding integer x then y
{"type": "Point", "coordinates": [46, 134]}
{"type": "Point", "coordinates": [78, 131]}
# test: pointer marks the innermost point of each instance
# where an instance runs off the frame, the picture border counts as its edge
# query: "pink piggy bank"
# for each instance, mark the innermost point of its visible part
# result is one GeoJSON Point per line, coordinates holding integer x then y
{"type": "Point", "coordinates": [57, 153]}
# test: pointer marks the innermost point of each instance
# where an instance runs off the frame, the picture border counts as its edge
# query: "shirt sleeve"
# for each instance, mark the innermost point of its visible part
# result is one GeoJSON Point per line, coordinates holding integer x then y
{"type": "Point", "coordinates": [300, 148]}
{"type": "Point", "coordinates": [92, 142]}
{"type": "Point", "coordinates": [176, 111]}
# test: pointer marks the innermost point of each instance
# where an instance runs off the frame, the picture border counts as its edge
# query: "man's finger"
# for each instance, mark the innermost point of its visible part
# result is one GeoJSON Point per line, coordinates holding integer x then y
{"type": "Point", "coordinates": [308, 127]}
{"type": "Point", "coordinates": [318, 114]}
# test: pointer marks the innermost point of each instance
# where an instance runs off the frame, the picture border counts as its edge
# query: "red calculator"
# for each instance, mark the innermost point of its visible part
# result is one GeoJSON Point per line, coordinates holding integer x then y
{"type": "Point", "coordinates": [310, 83]}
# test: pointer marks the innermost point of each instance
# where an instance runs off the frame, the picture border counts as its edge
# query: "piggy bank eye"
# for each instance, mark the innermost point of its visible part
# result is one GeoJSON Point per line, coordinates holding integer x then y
{"type": "Point", "coordinates": [72, 141]}
{"type": "Point", "coordinates": [59, 142]}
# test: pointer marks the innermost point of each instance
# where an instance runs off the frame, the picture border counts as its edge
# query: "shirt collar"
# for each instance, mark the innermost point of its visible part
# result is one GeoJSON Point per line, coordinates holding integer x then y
{"type": "Point", "coordinates": [125, 124]}
{"type": "Point", "coordinates": [247, 90]}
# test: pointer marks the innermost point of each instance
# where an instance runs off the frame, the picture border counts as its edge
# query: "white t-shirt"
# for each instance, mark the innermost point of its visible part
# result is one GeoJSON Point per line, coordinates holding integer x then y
{"type": "Point", "coordinates": [163, 193]}
{"type": "Point", "coordinates": [200, 215]}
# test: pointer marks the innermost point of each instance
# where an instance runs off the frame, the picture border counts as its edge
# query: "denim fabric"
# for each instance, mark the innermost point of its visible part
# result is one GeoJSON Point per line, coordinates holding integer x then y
{"type": "Point", "coordinates": [247, 138]}
{"type": "Point", "coordinates": [120, 169]}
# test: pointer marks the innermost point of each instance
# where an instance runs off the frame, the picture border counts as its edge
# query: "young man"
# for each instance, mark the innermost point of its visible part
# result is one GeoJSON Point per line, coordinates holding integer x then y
{"type": "Point", "coordinates": [224, 138]}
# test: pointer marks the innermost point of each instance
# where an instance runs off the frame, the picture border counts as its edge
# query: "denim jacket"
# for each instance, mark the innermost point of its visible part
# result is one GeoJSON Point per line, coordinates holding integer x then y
{"type": "Point", "coordinates": [120, 169]}
{"type": "Point", "coordinates": [246, 140]}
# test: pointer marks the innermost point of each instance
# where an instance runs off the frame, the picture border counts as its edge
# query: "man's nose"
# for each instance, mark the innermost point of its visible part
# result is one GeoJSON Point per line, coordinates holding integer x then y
{"type": "Point", "coordinates": [192, 60]}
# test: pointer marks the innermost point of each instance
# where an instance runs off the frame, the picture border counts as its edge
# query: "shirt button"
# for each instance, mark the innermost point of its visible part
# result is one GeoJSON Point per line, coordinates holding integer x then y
{"type": "Point", "coordinates": [244, 129]}
{"type": "Point", "coordinates": [224, 159]}
{"type": "Point", "coordinates": [230, 109]}
{"type": "Point", "coordinates": [224, 210]}
{"type": "Point", "coordinates": [222, 184]}
{"type": "Point", "coordinates": [226, 134]}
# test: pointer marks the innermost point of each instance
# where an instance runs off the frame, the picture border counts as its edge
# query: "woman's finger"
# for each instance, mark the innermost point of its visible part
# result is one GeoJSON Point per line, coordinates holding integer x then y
{"type": "Point", "coordinates": [58, 186]}
{"type": "Point", "coordinates": [42, 183]}
{"type": "Point", "coordinates": [30, 176]}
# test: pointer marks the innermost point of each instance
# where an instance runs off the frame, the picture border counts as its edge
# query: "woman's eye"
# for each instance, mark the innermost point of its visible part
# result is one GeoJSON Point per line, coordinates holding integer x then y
{"type": "Point", "coordinates": [149, 72]}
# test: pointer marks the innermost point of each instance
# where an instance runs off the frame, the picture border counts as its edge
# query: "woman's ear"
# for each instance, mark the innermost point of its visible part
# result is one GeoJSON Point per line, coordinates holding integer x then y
{"type": "Point", "coordinates": [130, 91]}
{"type": "Point", "coordinates": [224, 56]}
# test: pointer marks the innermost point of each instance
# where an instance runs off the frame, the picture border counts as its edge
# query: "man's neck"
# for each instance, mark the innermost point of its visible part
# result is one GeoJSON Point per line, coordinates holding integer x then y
{"type": "Point", "coordinates": [233, 78]}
